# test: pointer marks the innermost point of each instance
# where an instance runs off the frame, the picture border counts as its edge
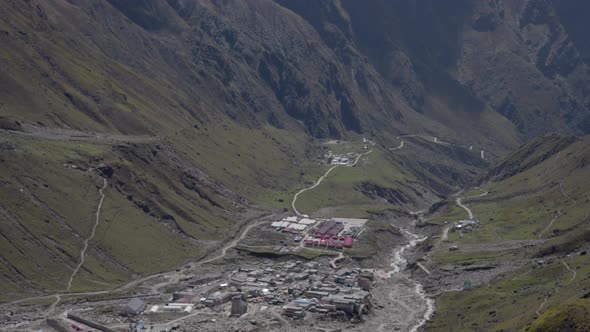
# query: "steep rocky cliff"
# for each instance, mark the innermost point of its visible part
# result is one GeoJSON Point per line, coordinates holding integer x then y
{"type": "Point", "coordinates": [525, 60]}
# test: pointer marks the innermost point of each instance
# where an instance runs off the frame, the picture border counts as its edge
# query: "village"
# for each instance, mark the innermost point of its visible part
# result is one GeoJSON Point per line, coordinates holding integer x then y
{"type": "Point", "coordinates": [292, 288]}
{"type": "Point", "coordinates": [300, 281]}
{"type": "Point", "coordinates": [284, 271]}
{"type": "Point", "coordinates": [344, 159]}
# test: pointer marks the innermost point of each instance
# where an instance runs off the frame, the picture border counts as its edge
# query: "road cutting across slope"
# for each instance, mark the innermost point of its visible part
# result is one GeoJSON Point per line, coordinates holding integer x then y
{"type": "Point", "coordinates": [436, 140]}
{"type": "Point", "coordinates": [459, 202]}
{"type": "Point", "coordinates": [319, 181]}
{"type": "Point", "coordinates": [85, 247]}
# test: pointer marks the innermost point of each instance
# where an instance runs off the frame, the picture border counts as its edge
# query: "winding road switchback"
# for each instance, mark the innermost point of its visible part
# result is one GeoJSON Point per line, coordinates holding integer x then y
{"type": "Point", "coordinates": [319, 181]}
{"type": "Point", "coordinates": [459, 202]}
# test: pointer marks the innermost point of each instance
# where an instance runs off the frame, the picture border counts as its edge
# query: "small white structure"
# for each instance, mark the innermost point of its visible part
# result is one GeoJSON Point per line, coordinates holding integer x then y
{"type": "Point", "coordinates": [171, 308]}
{"type": "Point", "coordinates": [469, 222]}
{"type": "Point", "coordinates": [180, 305]}
{"type": "Point", "coordinates": [298, 227]}
{"type": "Point", "coordinates": [291, 219]}
{"type": "Point", "coordinates": [279, 224]}
{"type": "Point", "coordinates": [154, 309]}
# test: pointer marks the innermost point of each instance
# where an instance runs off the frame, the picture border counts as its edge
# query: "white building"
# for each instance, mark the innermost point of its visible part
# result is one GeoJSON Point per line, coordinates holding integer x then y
{"type": "Point", "coordinates": [280, 224]}
{"type": "Point", "coordinates": [307, 221]}
{"type": "Point", "coordinates": [298, 227]}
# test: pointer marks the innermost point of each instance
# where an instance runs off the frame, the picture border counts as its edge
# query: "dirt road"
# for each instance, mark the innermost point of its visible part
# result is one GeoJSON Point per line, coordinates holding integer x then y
{"type": "Point", "coordinates": [319, 181]}
{"type": "Point", "coordinates": [85, 247]}
{"type": "Point", "coordinates": [136, 282]}
{"type": "Point", "coordinates": [230, 245]}
{"type": "Point", "coordinates": [335, 260]}
{"type": "Point", "coordinates": [175, 276]}
{"type": "Point", "coordinates": [459, 202]}
{"type": "Point", "coordinates": [401, 145]}
{"type": "Point", "coordinates": [62, 134]}
{"type": "Point", "coordinates": [557, 215]}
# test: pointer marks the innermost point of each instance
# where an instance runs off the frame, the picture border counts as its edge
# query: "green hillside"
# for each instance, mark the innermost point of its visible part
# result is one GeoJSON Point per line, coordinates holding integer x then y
{"type": "Point", "coordinates": [535, 224]}
{"type": "Point", "coordinates": [203, 116]}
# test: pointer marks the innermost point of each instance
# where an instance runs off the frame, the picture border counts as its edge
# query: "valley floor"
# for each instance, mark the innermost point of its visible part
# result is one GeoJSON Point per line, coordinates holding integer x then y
{"type": "Point", "coordinates": [397, 299]}
{"type": "Point", "coordinates": [460, 265]}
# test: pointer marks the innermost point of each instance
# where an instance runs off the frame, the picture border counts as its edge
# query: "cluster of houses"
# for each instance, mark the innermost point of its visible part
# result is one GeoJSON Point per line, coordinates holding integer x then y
{"type": "Point", "coordinates": [335, 233]}
{"type": "Point", "coordinates": [304, 287]}
{"type": "Point", "coordinates": [327, 235]}
{"type": "Point", "coordinates": [354, 303]}
{"type": "Point", "coordinates": [342, 160]}
{"type": "Point", "coordinates": [465, 226]}
{"type": "Point", "coordinates": [346, 159]}
{"type": "Point", "coordinates": [298, 287]}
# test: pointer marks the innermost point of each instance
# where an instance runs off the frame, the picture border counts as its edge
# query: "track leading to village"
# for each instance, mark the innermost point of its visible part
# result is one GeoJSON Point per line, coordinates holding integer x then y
{"type": "Point", "coordinates": [413, 307]}
{"type": "Point", "coordinates": [459, 202]}
{"type": "Point", "coordinates": [319, 181]}
{"type": "Point", "coordinates": [421, 308]}
{"type": "Point", "coordinates": [415, 316]}
{"type": "Point", "coordinates": [85, 247]}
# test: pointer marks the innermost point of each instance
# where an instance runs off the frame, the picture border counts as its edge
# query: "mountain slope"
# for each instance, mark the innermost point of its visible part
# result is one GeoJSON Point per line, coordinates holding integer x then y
{"type": "Point", "coordinates": [206, 113]}
{"type": "Point", "coordinates": [522, 59]}
{"type": "Point", "coordinates": [199, 121]}
{"type": "Point", "coordinates": [533, 240]}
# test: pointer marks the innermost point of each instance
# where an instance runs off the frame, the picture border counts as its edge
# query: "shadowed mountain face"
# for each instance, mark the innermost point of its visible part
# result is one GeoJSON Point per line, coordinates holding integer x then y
{"type": "Point", "coordinates": [328, 67]}
{"type": "Point", "coordinates": [250, 62]}
{"type": "Point", "coordinates": [526, 60]}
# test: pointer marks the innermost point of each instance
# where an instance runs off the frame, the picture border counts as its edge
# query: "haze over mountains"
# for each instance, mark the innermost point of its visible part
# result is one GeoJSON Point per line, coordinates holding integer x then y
{"type": "Point", "coordinates": [204, 115]}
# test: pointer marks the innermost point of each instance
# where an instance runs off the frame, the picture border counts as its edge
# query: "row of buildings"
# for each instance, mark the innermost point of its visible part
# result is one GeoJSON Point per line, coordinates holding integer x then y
{"type": "Point", "coordinates": [293, 224]}
{"type": "Point", "coordinates": [305, 287]}
{"type": "Point", "coordinates": [335, 233]}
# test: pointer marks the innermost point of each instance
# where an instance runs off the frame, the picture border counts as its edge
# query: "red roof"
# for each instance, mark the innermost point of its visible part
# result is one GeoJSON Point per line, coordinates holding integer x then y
{"type": "Point", "coordinates": [348, 242]}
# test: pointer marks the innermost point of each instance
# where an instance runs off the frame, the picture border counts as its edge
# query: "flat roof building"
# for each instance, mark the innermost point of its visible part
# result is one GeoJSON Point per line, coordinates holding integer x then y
{"type": "Point", "coordinates": [134, 307]}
